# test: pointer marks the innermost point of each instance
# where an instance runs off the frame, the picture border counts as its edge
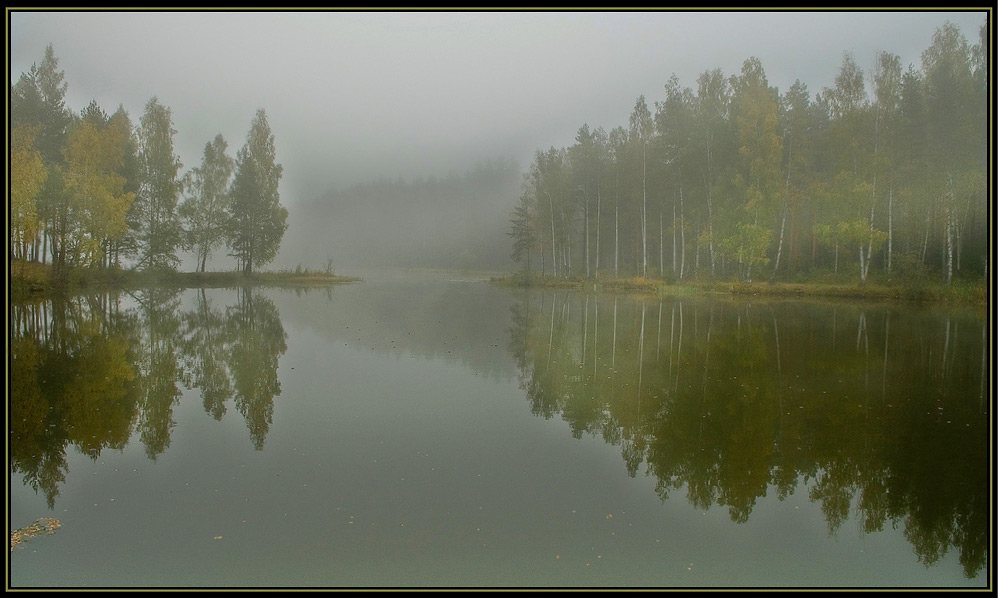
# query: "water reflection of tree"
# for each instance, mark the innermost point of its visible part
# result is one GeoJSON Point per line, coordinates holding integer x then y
{"type": "Point", "coordinates": [206, 353]}
{"type": "Point", "coordinates": [72, 382]}
{"type": "Point", "coordinates": [732, 401]}
{"type": "Point", "coordinates": [159, 366]}
{"type": "Point", "coordinates": [88, 373]}
{"type": "Point", "coordinates": [257, 340]}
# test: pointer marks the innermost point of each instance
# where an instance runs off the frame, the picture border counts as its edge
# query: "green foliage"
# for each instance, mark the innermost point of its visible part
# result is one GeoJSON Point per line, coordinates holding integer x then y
{"type": "Point", "coordinates": [257, 220]}
{"type": "Point", "coordinates": [523, 231]}
{"type": "Point", "coordinates": [205, 209]}
{"type": "Point", "coordinates": [155, 207]}
{"type": "Point", "coordinates": [95, 190]}
{"type": "Point", "coordinates": [747, 246]}
{"type": "Point", "coordinates": [888, 161]}
{"type": "Point", "coordinates": [27, 177]}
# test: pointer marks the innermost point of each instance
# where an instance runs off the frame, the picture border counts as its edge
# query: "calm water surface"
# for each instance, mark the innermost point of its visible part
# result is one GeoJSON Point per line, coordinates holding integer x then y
{"type": "Point", "coordinates": [439, 431]}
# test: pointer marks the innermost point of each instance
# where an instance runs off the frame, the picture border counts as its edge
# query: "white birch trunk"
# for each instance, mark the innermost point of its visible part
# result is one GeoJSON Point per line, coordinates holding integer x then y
{"type": "Point", "coordinates": [682, 235]}
{"type": "Point", "coordinates": [675, 267]}
{"type": "Point", "coordinates": [554, 253]}
{"type": "Point", "coordinates": [586, 210]}
{"type": "Point", "coordinates": [779, 247]}
{"type": "Point", "coordinates": [644, 216]}
{"type": "Point", "coordinates": [661, 245]}
{"type": "Point", "coordinates": [598, 198]}
{"type": "Point", "coordinates": [890, 230]}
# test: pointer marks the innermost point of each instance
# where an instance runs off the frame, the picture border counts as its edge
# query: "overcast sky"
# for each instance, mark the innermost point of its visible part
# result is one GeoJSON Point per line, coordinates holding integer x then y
{"type": "Point", "coordinates": [352, 97]}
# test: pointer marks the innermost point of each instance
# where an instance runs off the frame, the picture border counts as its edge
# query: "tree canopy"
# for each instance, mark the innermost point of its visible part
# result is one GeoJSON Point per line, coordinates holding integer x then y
{"type": "Point", "coordinates": [738, 176]}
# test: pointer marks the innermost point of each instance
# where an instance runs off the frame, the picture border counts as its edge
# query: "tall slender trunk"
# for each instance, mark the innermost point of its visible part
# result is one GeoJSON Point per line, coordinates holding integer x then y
{"type": "Point", "coordinates": [862, 266]}
{"type": "Point", "coordinates": [675, 255]}
{"type": "Point", "coordinates": [949, 228]}
{"type": "Point", "coordinates": [586, 240]}
{"type": "Point", "coordinates": [779, 247]}
{"type": "Point", "coordinates": [661, 243]}
{"type": "Point", "coordinates": [890, 229]}
{"type": "Point", "coordinates": [869, 246]}
{"type": "Point", "coordinates": [682, 234]}
{"type": "Point", "coordinates": [786, 208]}
{"type": "Point", "coordinates": [616, 223]}
{"type": "Point", "coordinates": [644, 215]}
{"type": "Point", "coordinates": [710, 210]}
{"type": "Point", "coordinates": [598, 201]}
{"type": "Point", "coordinates": [554, 255]}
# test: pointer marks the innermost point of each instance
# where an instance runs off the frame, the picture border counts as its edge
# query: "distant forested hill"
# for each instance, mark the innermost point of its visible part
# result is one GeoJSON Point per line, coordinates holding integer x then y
{"type": "Point", "coordinates": [459, 221]}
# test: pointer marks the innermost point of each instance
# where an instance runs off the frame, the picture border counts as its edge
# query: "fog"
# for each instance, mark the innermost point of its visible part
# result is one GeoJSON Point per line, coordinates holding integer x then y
{"type": "Point", "coordinates": [356, 97]}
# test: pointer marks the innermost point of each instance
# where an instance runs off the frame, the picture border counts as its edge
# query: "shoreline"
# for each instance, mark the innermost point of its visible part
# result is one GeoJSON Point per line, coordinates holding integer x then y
{"type": "Point", "coordinates": [960, 293]}
{"type": "Point", "coordinates": [31, 280]}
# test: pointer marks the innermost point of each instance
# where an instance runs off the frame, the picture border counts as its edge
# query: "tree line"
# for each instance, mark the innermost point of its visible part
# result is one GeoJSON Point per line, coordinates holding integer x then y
{"type": "Point", "coordinates": [885, 172]}
{"type": "Point", "coordinates": [93, 189]}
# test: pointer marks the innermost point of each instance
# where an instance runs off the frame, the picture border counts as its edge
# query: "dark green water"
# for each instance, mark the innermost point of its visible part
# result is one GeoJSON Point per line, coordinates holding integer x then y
{"type": "Point", "coordinates": [435, 431]}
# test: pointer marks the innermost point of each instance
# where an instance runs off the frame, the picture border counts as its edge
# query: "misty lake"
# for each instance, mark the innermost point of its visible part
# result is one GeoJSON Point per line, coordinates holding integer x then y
{"type": "Point", "coordinates": [436, 430]}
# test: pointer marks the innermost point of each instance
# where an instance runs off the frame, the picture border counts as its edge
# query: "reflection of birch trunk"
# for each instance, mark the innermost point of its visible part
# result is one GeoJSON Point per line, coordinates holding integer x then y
{"type": "Point", "coordinates": [658, 340]}
{"type": "Point", "coordinates": [706, 358]}
{"type": "Point", "coordinates": [672, 332]}
{"type": "Point", "coordinates": [585, 330]}
{"type": "Point", "coordinates": [779, 369]}
{"type": "Point", "coordinates": [860, 328]}
{"type": "Point", "coordinates": [595, 331]}
{"type": "Point", "coordinates": [887, 336]}
{"type": "Point", "coordinates": [551, 335]}
{"type": "Point", "coordinates": [834, 316]}
{"type": "Point", "coordinates": [945, 349]}
{"type": "Point", "coordinates": [641, 351]}
{"type": "Point", "coordinates": [863, 336]}
{"type": "Point", "coordinates": [776, 335]}
{"type": "Point", "coordinates": [952, 358]}
{"type": "Point", "coordinates": [679, 347]}
{"type": "Point", "coordinates": [613, 354]}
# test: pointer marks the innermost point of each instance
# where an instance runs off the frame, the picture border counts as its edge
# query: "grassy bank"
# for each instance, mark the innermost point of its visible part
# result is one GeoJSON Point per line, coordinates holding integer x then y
{"type": "Point", "coordinates": [960, 292]}
{"type": "Point", "coordinates": [31, 279]}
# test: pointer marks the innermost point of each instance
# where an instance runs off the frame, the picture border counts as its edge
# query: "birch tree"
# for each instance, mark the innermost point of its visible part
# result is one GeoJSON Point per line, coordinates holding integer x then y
{"type": "Point", "coordinates": [641, 130]}
{"type": "Point", "coordinates": [205, 209]}
{"type": "Point", "coordinates": [27, 176]}
{"type": "Point", "coordinates": [155, 208]}
{"type": "Point", "coordinates": [257, 220]}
